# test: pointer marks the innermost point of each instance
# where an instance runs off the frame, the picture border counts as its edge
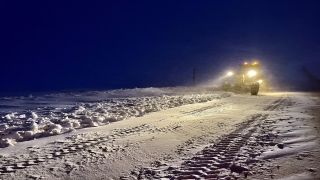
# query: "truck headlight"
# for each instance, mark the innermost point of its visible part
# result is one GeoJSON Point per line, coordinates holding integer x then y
{"type": "Point", "coordinates": [252, 73]}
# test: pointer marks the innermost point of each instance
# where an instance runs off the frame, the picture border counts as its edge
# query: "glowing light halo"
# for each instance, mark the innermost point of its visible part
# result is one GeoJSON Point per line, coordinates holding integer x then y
{"type": "Point", "coordinates": [252, 73]}
{"type": "Point", "coordinates": [230, 73]}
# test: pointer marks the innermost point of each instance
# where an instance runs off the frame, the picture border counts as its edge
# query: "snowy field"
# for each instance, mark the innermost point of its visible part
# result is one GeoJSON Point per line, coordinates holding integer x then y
{"type": "Point", "coordinates": [27, 118]}
{"type": "Point", "coordinates": [161, 133]}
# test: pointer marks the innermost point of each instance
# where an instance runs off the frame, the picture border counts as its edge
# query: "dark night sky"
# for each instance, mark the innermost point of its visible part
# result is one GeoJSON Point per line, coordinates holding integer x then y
{"type": "Point", "coordinates": [58, 45]}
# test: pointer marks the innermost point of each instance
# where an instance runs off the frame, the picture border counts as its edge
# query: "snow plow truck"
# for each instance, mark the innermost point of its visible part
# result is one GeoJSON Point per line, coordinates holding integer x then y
{"type": "Point", "coordinates": [249, 78]}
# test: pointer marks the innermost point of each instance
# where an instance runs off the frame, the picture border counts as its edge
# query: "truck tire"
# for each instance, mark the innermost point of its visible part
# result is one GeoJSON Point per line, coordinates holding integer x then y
{"type": "Point", "coordinates": [254, 88]}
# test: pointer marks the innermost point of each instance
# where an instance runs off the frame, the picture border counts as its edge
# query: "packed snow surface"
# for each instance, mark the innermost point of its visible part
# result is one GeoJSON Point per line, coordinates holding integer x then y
{"type": "Point", "coordinates": [272, 135]}
{"type": "Point", "coordinates": [27, 118]}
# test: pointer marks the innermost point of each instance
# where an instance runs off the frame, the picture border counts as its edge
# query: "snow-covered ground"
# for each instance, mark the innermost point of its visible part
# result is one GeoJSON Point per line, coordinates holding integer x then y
{"type": "Point", "coordinates": [27, 118]}
{"type": "Point", "coordinates": [160, 133]}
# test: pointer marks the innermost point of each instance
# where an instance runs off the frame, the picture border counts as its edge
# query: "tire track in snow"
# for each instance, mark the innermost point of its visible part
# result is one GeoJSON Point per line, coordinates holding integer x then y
{"type": "Point", "coordinates": [70, 148]}
{"type": "Point", "coordinates": [220, 160]}
{"type": "Point", "coordinates": [210, 162]}
{"type": "Point", "coordinates": [278, 104]}
{"type": "Point", "coordinates": [217, 107]}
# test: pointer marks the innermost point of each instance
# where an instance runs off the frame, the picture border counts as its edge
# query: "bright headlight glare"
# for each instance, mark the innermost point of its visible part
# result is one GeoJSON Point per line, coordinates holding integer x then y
{"type": "Point", "coordinates": [230, 73]}
{"type": "Point", "coordinates": [252, 73]}
{"type": "Point", "coordinates": [260, 81]}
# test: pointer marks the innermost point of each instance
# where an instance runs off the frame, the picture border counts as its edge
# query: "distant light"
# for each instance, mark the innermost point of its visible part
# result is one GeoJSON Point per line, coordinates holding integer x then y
{"type": "Point", "coordinates": [230, 73]}
{"type": "Point", "coordinates": [260, 81]}
{"type": "Point", "coordinates": [252, 73]}
{"type": "Point", "coordinates": [245, 63]}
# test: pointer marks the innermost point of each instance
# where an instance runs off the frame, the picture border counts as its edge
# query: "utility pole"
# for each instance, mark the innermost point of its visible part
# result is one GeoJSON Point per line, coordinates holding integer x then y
{"type": "Point", "coordinates": [194, 77]}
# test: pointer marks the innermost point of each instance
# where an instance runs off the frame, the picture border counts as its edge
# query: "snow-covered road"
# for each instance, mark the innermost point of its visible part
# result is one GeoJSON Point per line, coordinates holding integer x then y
{"type": "Point", "coordinates": [202, 139]}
